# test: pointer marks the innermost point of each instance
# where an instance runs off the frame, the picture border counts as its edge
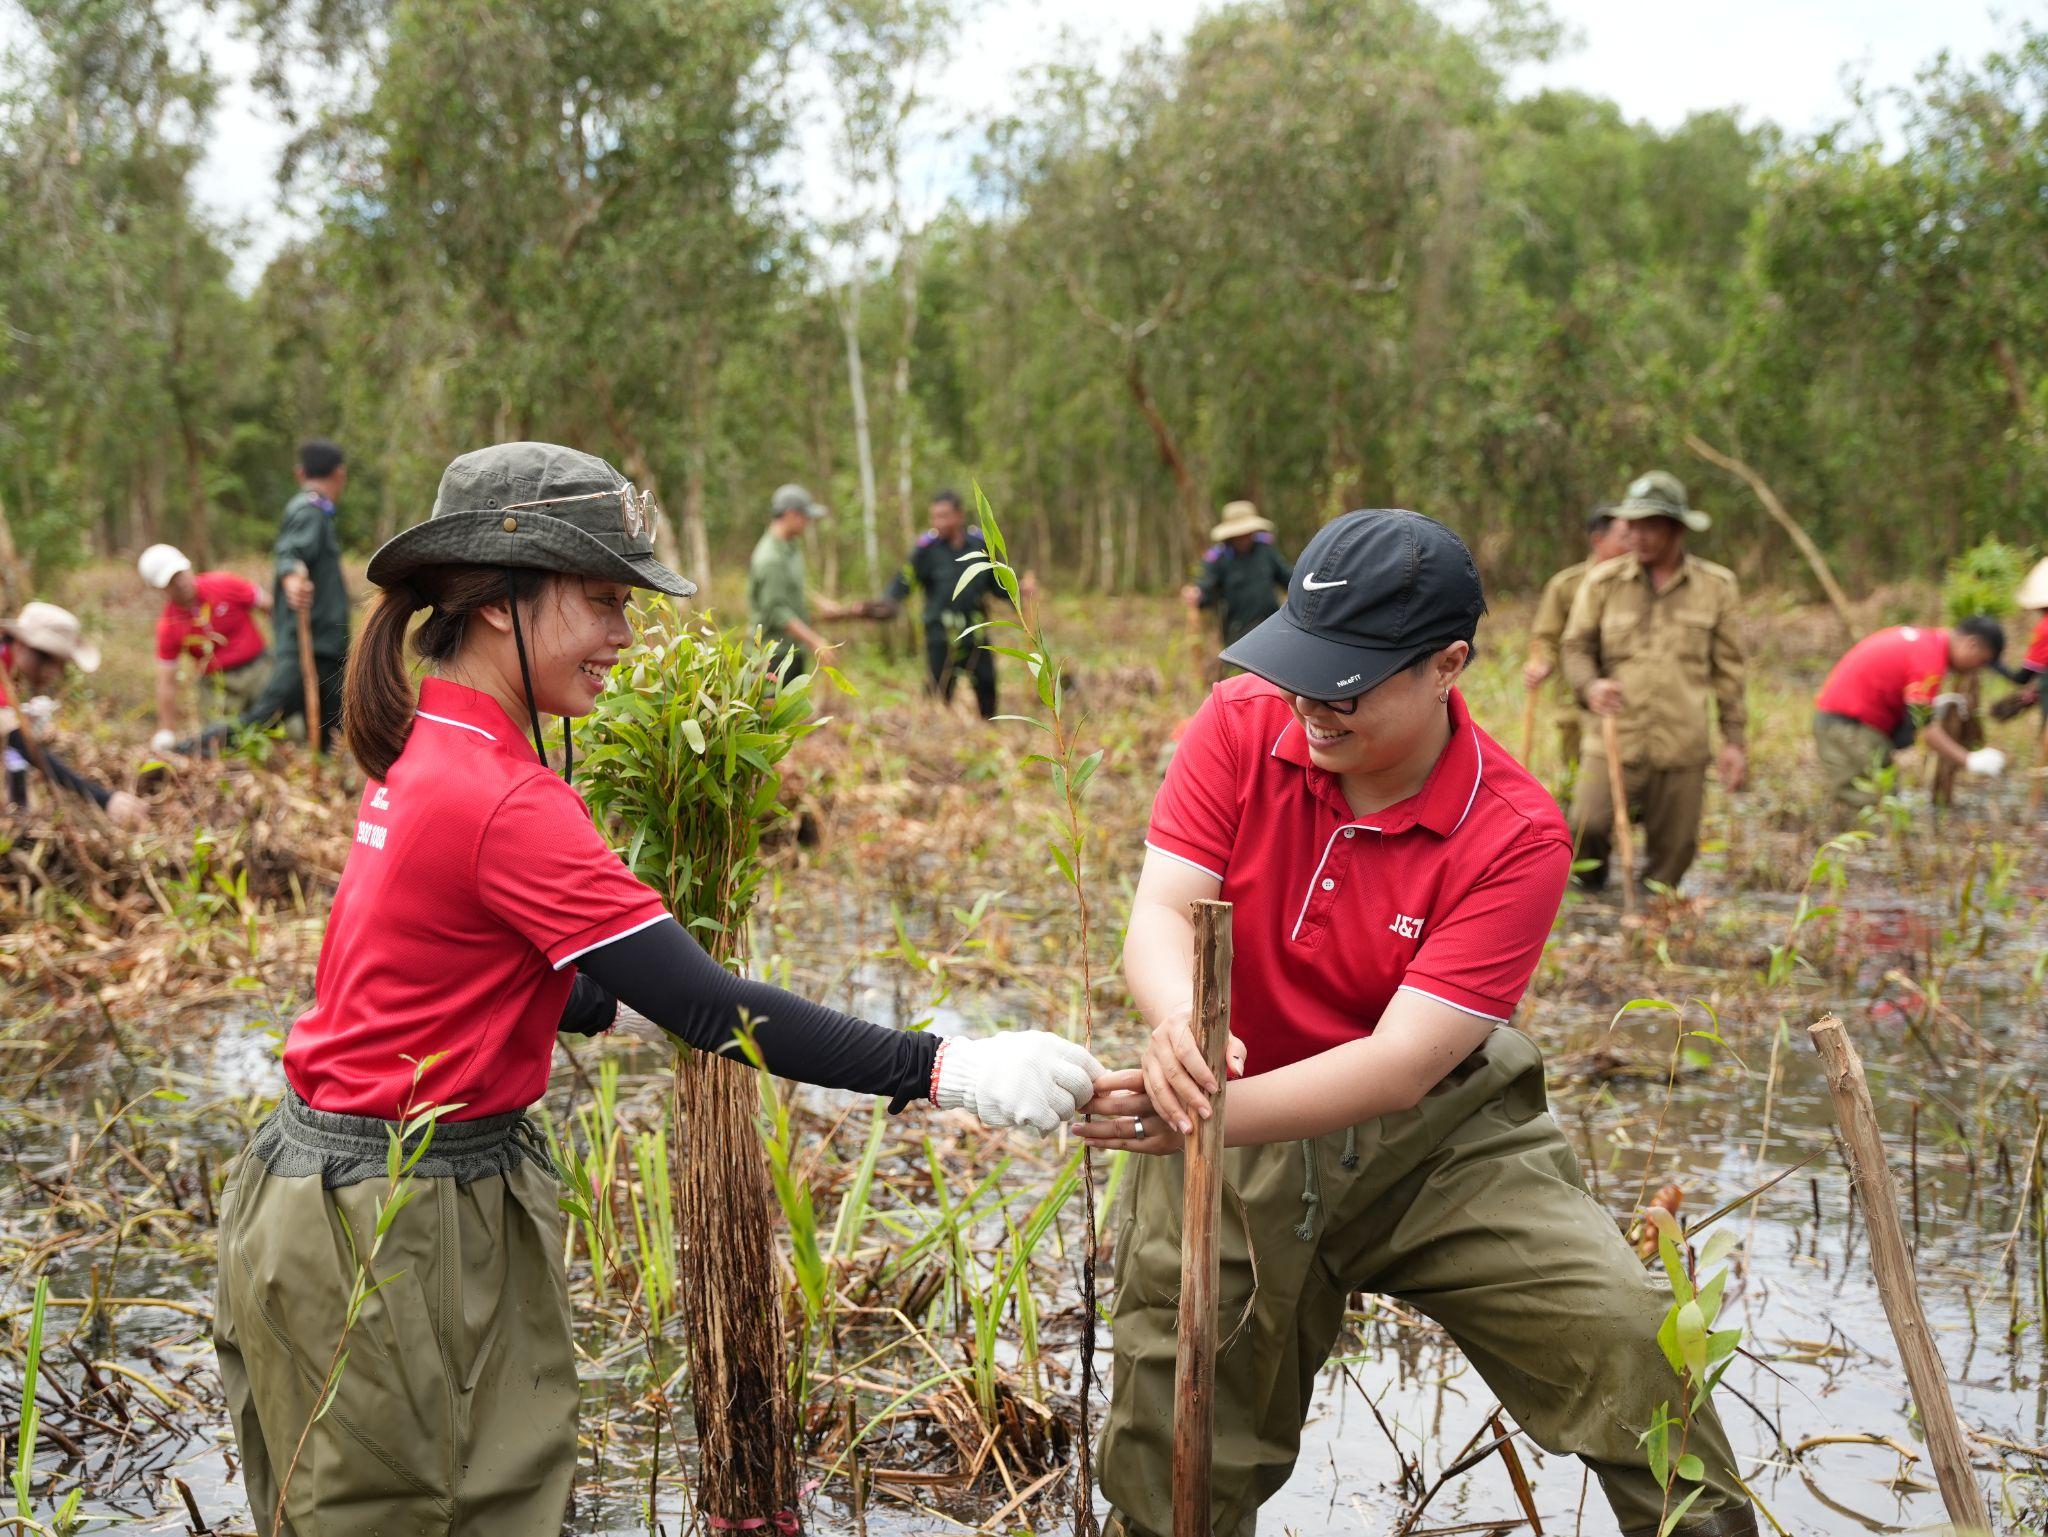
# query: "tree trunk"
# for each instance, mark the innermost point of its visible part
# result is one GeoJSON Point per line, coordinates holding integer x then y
{"type": "Point", "coordinates": [906, 338]}
{"type": "Point", "coordinates": [1162, 437]}
{"type": "Point", "coordinates": [1815, 561]}
{"type": "Point", "coordinates": [849, 325]}
{"type": "Point", "coordinates": [13, 574]}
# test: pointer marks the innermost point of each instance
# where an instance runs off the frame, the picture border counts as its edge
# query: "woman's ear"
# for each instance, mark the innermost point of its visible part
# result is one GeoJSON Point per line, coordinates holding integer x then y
{"type": "Point", "coordinates": [497, 614]}
{"type": "Point", "coordinates": [1452, 659]}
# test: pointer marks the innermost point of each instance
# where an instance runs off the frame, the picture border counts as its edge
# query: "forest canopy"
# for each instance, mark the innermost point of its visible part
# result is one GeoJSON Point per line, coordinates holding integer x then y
{"type": "Point", "coordinates": [1315, 254]}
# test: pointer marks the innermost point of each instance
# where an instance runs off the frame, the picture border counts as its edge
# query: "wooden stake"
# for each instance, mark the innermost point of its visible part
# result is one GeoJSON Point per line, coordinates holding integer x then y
{"type": "Point", "coordinates": [1624, 835]}
{"type": "Point", "coordinates": [1528, 726]}
{"type": "Point", "coordinates": [1892, 1263]}
{"type": "Point", "coordinates": [310, 678]}
{"type": "Point", "coordinates": [1194, 1368]}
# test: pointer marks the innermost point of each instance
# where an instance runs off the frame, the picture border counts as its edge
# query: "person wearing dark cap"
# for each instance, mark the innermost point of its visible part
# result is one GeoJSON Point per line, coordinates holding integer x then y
{"type": "Point", "coordinates": [1607, 538]}
{"type": "Point", "coordinates": [481, 911]}
{"type": "Point", "coordinates": [1394, 875]}
{"type": "Point", "coordinates": [307, 560]}
{"type": "Point", "coordinates": [1884, 688]}
{"type": "Point", "coordinates": [1243, 573]}
{"type": "Point", "coordinates": [1654, 641]}
{"type": "Point", "coordinates": [778, 602]}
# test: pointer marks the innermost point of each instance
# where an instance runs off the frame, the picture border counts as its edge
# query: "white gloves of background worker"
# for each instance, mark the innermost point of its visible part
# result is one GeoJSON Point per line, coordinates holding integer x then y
{"type": "Point", "coordinates": [1988, 761]}
{"type": "Point", "coordinates": [163, 741]}
{"type": "Point", "coordinates": [1021, 1078]}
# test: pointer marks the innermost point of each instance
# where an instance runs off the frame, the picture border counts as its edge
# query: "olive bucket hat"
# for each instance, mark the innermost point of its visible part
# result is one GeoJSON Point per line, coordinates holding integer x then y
{"type": "Point", "coordinates": [1660, 494]}
{"type": "Point", "coordinates": [538, 506]}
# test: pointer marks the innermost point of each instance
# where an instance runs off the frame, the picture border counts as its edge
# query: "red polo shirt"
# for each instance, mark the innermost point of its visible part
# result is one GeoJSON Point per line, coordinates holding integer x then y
{"type": "Point", "coordinates": [1450, 893]}
{"type": "Point", "coordinates": [217, 630]}
{"type": "Point", "coordinates": [475, 879]}
{"type": "Point", "coordinates": [1879, 676]}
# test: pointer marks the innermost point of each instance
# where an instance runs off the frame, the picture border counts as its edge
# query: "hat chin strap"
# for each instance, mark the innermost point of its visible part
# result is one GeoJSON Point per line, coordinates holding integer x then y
{"type": "Point", "coordinates": [526, 678]}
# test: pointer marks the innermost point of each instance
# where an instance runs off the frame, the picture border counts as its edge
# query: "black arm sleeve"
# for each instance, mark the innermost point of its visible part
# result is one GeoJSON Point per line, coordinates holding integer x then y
{"type": "Point", "coordinates": [61, 774]}
{"type": "Point", "coordinates": [590, 1010]}
{"type": "Point", "coordinates": [665, 974]}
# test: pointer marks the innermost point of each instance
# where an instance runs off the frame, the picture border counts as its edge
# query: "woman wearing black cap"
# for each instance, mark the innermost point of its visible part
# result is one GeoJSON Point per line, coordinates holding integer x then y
{"type": "Point", "coordinates": [479, 913]}
{"type": "Point", "coordinates": [1395, 875]}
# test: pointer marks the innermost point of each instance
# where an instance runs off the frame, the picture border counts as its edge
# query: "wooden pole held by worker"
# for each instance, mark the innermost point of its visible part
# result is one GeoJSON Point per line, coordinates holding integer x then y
{"type": "Point", "coordinates": [1624, 835]}
{"type": "Point", "coordinates": [1893, 1263]}
{"type": "Point", "coordinates": [1528, 726]}
{"type": "Point", "coordinates": [310, 677]}
{"type": "Point", "coordinates": [1194, 1368]}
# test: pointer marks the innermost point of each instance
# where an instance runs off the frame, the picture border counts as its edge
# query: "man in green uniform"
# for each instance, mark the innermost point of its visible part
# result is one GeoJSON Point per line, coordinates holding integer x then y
{"type": "Point", "coordinates": [307, 557]}
{"type": "Point", "coordinates": [941, 556]}
{"type": "Point", "coordinates": [1244, 575]}
{"type": "Point", "coordinates": [1651, 641]}
{"type": "Point", "coordinates": [776, 600]}
{"type": "Point", "coordinates": [1607, 538]}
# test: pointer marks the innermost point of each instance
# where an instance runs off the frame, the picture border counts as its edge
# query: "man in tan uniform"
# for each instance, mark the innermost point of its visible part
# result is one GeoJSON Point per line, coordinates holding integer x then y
{"type": "Point", "coordinates": [1607, 538]}
{"type": "Point", "coordinates": [1651, 641]}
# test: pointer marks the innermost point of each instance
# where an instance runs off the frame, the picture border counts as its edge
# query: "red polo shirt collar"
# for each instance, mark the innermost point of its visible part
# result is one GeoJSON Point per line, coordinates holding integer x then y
{"type": "Point", "coordinates": [1445, 798]}
{"type": "Point", "coordinates": [469, 709]}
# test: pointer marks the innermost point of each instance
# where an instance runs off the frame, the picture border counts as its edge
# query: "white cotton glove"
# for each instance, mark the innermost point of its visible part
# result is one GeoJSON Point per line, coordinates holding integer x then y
{"type": "Point", "coordinates": [1988, 761]}
{"type": "Point", "coordinates": [40, 711]}
{"type": "Point", "coordinates": [163, 741]}
{"type": "Point", "coordinates": [1020, 1078]}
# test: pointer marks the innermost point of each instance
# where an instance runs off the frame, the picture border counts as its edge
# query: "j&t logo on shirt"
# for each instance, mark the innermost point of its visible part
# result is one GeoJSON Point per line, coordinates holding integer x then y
{"type": "Point", "coordinates": [1406, 927]}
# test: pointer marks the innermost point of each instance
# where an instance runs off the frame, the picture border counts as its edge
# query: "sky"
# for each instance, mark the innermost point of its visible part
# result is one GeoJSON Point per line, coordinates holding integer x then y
{"type": "Point", "coordinates": [1788, 61]}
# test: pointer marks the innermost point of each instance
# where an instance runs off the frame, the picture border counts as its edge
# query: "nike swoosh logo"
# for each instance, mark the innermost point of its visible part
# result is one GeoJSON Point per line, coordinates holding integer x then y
{"type": "Point", "coordinates": [1309, 583]}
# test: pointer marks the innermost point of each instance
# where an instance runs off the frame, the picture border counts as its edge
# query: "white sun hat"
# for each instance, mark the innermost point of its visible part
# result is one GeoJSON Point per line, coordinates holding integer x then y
{"type": "Point", "coordinates": [161, 562]}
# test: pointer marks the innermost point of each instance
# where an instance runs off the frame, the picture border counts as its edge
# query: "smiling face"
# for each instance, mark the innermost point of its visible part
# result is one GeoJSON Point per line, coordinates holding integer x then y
{"type": "Point", "coordinates": [1658, 540]}
{"type": "Point", "coordinates": [575, 630]}
{"type": "Point", "coordinates": [1391, 722]}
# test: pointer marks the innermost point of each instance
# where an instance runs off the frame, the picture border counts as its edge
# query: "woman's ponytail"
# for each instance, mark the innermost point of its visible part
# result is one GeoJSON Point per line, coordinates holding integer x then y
{"type": "Point", "coordinates": [376, 700]}
{"type": "Point", "coordinates": [377, 705]}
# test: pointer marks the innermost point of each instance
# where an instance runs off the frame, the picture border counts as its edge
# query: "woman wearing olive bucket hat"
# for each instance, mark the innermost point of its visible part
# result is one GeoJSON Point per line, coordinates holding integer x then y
{"type": "Point", "coordinates": [1394, 874]}
{"type": "Point", "coordinates": [480, 912]}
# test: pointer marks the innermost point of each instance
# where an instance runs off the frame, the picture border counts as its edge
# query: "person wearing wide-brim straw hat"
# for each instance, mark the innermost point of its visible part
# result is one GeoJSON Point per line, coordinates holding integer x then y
{"type": "Point", "coordinates": [480, 912]}
{"type": "Point", "coordinates": [37, 648]}
{"type": "Point", "coordinates": [1654, 641]}
{"type": "Point", "coordinates": [1394, 875]}
{"type": "Point", "coordinates": [1243, 573]}
{"type": "Point", "coordinates": [2032, 598]}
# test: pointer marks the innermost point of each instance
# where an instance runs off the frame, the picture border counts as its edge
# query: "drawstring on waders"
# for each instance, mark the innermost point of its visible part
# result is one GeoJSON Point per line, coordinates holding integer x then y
{"type": "Point", "coordinates": [1311, 1191]}
{"type": "Point", "coordinates": [526, 678]}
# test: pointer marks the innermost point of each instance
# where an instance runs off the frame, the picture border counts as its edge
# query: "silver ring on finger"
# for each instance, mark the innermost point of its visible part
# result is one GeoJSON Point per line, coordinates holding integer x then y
{"type": "Point", "coordinates": [1137, 1128]}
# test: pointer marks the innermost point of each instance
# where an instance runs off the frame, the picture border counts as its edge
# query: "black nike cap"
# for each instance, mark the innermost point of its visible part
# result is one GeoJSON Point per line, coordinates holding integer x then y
{"type": "Point", "coordinates": [1372, 590]}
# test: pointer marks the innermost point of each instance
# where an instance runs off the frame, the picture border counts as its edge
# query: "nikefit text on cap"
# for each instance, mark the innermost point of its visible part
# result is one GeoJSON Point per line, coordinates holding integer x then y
{"type": "Point", "coordinates": [1372, 590]}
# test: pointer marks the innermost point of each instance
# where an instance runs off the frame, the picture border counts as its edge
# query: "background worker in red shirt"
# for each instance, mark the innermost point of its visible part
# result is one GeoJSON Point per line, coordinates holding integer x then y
{"type": "Point", "coordinates": [481, 911]}
{"type": "Point", "coordinates": [1864, 712]}
{"type": "Point", "coordinates": [2032, 598]}
{"type": "Point", "coordinates": [208, 616]}
{"type": "Point", "coordinates": [1395, 875]}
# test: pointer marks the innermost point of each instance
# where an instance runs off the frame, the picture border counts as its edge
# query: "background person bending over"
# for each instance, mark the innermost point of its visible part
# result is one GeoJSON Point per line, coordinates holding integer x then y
{"type": "Point", "coordinates": [480, 911]}
{"type": "Point", "coordinates": [1395, 875]}
{"type": "Point", "coordinates": [1864, 712]}
{"type": "Point", "coordinates": [36, 649]}
{"type": "Point", "coordinates": [208, 616]}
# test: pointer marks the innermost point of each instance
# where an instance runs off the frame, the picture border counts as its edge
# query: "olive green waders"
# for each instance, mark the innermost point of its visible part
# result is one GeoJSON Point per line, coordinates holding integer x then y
{"type": "Point", "coordinates": [1849, 752]}
{"type": "Point", "coordinates": [1668, 801]}
{"type": "Point", "coordinates": [1468, 1208]}
{"type": "Point", "coordinates": [455, 1412]}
